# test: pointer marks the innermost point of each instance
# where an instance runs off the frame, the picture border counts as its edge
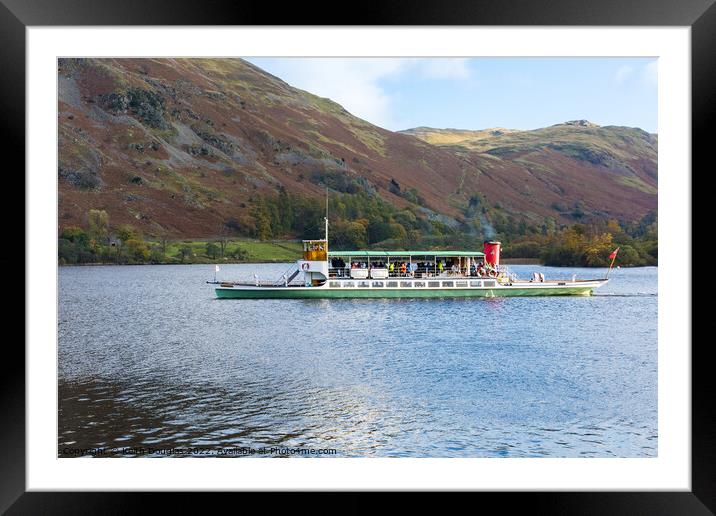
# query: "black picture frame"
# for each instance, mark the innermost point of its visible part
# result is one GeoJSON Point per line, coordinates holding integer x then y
{"type": "Point", "coordinates": [16, 15]}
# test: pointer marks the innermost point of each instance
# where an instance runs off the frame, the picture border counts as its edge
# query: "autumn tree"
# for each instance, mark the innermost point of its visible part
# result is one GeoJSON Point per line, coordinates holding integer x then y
{"type": "Point", "coordinates": [98, 224]}
{"type": "Point", "coordinates": [597, 249]}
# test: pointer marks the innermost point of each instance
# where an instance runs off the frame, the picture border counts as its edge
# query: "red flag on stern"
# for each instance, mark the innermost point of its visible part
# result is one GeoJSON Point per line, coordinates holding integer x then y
{"type": "Point", "coordinates": [612, 257]}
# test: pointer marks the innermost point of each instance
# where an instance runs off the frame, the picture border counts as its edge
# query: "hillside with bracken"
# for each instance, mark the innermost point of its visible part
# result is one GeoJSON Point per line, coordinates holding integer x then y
{"type": "Point", "coordinates": [186, 148]}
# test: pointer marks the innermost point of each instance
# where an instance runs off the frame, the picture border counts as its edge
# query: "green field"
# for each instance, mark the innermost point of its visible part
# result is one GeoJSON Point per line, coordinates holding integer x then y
{"type": "Point", "coordinates": [252, 251]}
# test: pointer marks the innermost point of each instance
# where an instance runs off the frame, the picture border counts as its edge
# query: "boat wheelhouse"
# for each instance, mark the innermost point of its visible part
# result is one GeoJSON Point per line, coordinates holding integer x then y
{"type": "Point", "coordinates": [382, 274]}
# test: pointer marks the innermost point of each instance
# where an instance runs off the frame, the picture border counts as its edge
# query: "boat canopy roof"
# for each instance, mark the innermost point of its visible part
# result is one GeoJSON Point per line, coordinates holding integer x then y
{"type": "Point", "coordinates": [378, 254]}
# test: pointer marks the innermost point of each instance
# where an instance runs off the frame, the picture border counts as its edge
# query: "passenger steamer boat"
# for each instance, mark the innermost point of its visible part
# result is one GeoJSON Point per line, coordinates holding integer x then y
{"type": "Point", "coordinates": [382, 274]}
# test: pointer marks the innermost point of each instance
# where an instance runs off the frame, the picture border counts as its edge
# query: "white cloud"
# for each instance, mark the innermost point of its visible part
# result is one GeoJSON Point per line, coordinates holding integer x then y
{"type": "Point", "coordinates": [650, 73]}
{"type": "Point", "coordinates": [623, 73]}
{"type": "Point", "coordinates": [647, 74]}
{"type": "Point", "coordinates": [356, 83]}
{"type": "Point", "coordinates": [447, 68]}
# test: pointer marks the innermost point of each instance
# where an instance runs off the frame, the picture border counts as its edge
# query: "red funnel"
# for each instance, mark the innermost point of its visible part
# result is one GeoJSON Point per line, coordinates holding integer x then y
{"type": "Point", "coordinates": [492, 252]}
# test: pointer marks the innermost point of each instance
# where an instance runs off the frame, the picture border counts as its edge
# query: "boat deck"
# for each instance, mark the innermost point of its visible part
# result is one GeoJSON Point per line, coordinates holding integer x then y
{"type": "Point", "coordinates": [471, 282]}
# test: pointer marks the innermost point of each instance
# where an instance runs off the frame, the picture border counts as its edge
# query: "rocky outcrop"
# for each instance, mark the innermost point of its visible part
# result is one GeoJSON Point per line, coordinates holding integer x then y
{"type": "Point", "coordinates": [145, 105]}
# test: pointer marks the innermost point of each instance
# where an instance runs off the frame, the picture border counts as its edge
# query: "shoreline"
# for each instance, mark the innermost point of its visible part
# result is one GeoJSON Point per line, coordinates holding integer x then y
{"type": "Point", "coordinates": [96, 264]}
{"type": "Point", "coordinates": [521, 261]}
{"type": "Point", "coordinates": [512, 261]}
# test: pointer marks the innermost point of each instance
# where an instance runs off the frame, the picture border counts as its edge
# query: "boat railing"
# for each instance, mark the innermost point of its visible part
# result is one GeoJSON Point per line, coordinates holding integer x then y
{"type": "Point", "coordinates": [504, 270]}
{"type": "Point", "coordinates": [289, 276]}
{"type": "Point", "coordinates": [247, 283]}
{"type": "Point", "coordinates": [420, 272]}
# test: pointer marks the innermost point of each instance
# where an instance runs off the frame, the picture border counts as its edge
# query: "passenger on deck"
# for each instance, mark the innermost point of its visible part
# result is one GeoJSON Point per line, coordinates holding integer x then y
{"type": "Point", "coordinates": [402, 269]}
{"type": "Point", "coordinates": [391, 268]}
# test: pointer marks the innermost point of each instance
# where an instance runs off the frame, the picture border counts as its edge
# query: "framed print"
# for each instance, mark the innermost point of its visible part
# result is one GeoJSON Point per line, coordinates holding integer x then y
{"type": "Point", "coordinates": [416, 252]}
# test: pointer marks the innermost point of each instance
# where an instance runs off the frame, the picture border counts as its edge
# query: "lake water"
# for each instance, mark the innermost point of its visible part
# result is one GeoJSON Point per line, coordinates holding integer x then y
{"type": "Point", "coordinates": [151, 364]}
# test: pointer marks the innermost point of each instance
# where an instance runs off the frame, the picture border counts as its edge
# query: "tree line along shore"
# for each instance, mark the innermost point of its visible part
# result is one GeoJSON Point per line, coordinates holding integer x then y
{"type": "Point", "coordinates": [274, 231]}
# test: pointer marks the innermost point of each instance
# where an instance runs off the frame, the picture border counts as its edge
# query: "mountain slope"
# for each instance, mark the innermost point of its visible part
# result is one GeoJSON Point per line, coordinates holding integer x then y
{"type": "Point", "coordinates": [181, 146]}
{"type": "Point", "coordinates": [598, 169]}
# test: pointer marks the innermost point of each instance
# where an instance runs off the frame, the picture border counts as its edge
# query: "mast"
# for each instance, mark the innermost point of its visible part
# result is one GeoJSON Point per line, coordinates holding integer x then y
{"type": "Point", "coordinates": [326, 217]}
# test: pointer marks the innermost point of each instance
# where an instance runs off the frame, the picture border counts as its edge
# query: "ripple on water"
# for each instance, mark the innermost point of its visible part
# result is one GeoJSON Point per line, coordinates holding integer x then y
{"type": "Point", "coordinates": [147, 357]}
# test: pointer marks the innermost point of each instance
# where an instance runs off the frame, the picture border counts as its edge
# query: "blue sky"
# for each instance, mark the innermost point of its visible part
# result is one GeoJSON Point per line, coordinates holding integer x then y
{"type": "Point", "coordinates": [478, 93]}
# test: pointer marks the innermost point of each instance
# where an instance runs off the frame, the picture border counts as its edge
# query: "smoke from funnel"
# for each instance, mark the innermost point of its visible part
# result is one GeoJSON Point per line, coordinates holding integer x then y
{"type": "Point", "coordinates": [487, 229]}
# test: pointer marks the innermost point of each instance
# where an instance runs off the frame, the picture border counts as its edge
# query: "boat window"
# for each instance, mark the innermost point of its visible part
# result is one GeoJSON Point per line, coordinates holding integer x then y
{"type": "Point", "coordinates": [461, 283]}
{"type": "Point", "coordinates": [334, 284]}
{"type": "Point", "coordinates": [476, 283]}
{"type": "Point", "coordinates": [363, 284]}
{"type": "Point", "coordinates": [377, 283]}
{"type": "Point", "coordinates": [419, 284]}
{"type": "Point", "coordinates": [406, 283]}
{"type": "Point", "coordinates": [490, 283]}
{"type": "Point", "coordinates": [448, 283]}
{"type": "Point", "coordinates": [433, 284]}
{"type": "Point", "coordinates": [348, 284]}
{"type": "Point", "coordinates": [391, 284]}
